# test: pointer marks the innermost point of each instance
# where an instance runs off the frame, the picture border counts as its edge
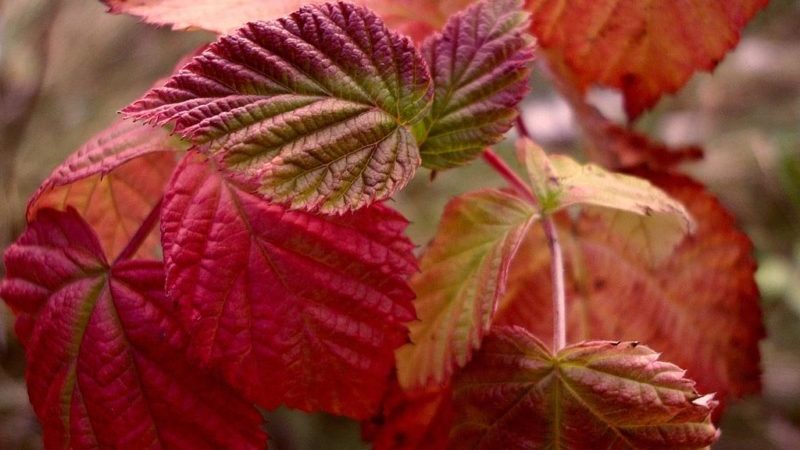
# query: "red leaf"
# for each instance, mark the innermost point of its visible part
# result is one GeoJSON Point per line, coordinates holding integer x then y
{"type": "Point", "coordinates": [105, 358]}
{"type": "Point", "coordinates": [315, 109]}
{"type": "Point", "coordinates": [646, 49]}
{"type": "Point", "coordinates": [518, 395]}
{"type": "Point", "coordinates": [700, 306]}
{"type": "Point", "coordinates": [417, 18]}
{"type": "Point", "coordinates": [114, 180]}
{"type": "Point", "coordinates": [288, 306]}
{"type": "Point", "coordinates": [418, 420]}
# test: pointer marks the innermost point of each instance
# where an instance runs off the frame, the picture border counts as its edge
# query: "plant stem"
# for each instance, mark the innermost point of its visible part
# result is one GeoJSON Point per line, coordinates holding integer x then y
{"type": "Point", "coordinates": [559, 290]}
{"type": "Point", "coordinates": [142, 233]}
{"type": "Point", "coordinates": [551, 233]}
{"type": "Point", "coordinates": [509, 175]}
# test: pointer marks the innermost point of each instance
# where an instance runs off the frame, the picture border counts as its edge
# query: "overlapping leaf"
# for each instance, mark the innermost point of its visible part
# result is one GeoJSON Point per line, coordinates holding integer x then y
{"type": "Point", "coordinates": [646, 49]}
{"type": "Point", "coordinates": [463, 275]}
{"type": "Point", "coordinates": [106, 365]}
{"type": "Point", "coordinates": [114, 181]}
{"type": "Point", "coordinates": [700, 306]}
{"type": "Point", "coordinates": [288, 306]}
{"type": "Point", "coordinates": [653, 222]}
{"type": "Point", "coordinates": [417, 18]}
{"type": "Point", "coordinates": [479, 64]}
{"type": "Point", "coordinates": [314, 109]}
{"type": "Point", "coordinates": [615, 395]}
{"type": "Point", "coordinates": [622, 147]}
{"type": "Point", "coordinates": [417, 420]}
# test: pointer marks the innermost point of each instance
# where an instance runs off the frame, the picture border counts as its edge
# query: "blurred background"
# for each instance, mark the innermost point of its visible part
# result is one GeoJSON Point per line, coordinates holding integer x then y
{"type": "Point", "coordinates": [66, 67]}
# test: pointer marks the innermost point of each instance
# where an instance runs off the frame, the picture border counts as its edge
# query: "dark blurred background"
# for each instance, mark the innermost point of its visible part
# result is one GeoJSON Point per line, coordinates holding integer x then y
{"type": "Point", "coordinates": [66, 67]}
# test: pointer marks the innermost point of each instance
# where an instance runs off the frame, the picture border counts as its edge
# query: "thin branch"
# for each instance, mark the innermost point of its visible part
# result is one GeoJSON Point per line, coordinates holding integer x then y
{"type": "Point", "coordinates": [559, 289]}
{"type": "Point", "coordinates": [142, 233]}
{"type": "Point", "coordinates": [551, 233]}
{"type": "Point", "coordinates": [514, 180]}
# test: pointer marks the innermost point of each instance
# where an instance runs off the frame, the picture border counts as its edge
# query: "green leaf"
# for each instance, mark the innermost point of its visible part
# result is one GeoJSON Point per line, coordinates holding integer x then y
{"type": "Point", "coordinates": [518, 395]}
{"type": "Point", "coordinates": [463, 275]}
{"type": "Point", "coordinates": [314, 109]}
{"type": "Point", "coordinates": [633, 205]}
{"type": "Point", "coordinates": [479, 64]}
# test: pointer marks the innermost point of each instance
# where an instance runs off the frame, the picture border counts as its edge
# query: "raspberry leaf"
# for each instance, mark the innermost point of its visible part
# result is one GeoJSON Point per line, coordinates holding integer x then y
{"type": "Point", "coordinates": [646, 49]}
{"type": "Point", "coordinates": [105, 358]}
{"type": "Point", "coordinates": [516, 394]}
{"type": "Point", "coordinates": [700, 306]}
{"type": "Point", "coordinates": [417, 18]}
{"type": "Point", "coordinates": [635, 207]}
{"type": "Point", "coordinates": [288, 306]}
{"type": "Point", "coordinates": [114, 181]}
{"type": "Point", "coordinates": [463, 276]}
{"type": "Point", "coordinates": [479, 65]}
{"type": "Point", "coordinates": [314, 109]}
{"type": "Point", "coordinates": [416, 420]}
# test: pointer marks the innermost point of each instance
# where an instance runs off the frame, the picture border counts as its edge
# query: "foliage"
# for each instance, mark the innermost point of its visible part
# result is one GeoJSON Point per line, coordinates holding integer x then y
{"type": "Point", "coordinates": [287, 280]}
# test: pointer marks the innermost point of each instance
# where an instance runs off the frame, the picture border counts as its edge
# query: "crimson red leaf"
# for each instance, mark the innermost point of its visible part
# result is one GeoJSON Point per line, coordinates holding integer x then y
{"type": "Point", "coordinates": [288, 306]}
{"type": "Point", "coordinates": [518, 395]}
{"type": "Point", "coordinates": [700, 306]}
{"type": "Point", "coordinates": [417, 420]}
{"type": "Point", "coordinates": [106, 365]}
{"type": "Point", "coordinates": [315, 109]}
{"type": "Point", "coordinates": [646, 49]}
{"type": "Point", "coordinates": [113, 180]}
{"type": "Point", "coordinates": [479, 65]}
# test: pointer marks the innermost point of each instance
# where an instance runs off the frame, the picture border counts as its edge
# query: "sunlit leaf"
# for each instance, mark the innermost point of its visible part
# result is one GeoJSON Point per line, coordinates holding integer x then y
{"type": "Point", "coordinates": [114, 181]}
{"type": "Point", "coordinates": [479, 65]}
{"type": "Point", "coordinates": [644, 48]}
{"type": "Point", "coordinates": [700, 306]}
{"type": "Point", "coordinates": [288, 306]}
{"type": "Point", "coordinates": [653, 221]}
{"type": "Point", "coordinates": [463, 275]}
{"type": "Point", "coordinates": [613, 395]}
{"type": "Point", "coordinates": [417, 18]}
{"type": "Point", "coordinates": [314, 109]}
{"type": "Point", "coordinates": [106, 364]}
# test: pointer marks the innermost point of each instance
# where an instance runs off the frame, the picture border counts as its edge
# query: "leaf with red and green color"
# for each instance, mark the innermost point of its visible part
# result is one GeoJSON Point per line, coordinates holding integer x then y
{"type": "Point", "coordinates": [315, 109]}
{"type": "Point", "coordinates": [479, 65]}
{"type": "Point", "coordinates": [106, 365]}
{"type": "Point", "coordinates": [288, 306]}
{"type": "Point", "coordinates": [646, 49]}
{"type": "Point", "coordinates": [700, 306]}
{"type": "Point", "coordinates": [463, 276]}
{"type": "Point", "coordinates": [418, 420]}
{"type": "Point", "coordinates": [635, 207]}
{"type": "Point", "coordinates": [417, 18]}
{"type": "Point", "coordinates": [613, 395]}
{"type": "Point", "coordinates": [114, 181]}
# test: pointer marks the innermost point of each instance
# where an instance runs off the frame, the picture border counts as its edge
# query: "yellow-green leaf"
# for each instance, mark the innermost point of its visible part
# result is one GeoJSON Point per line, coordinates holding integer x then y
{"type": "Point", "coordinates": [463, 275]}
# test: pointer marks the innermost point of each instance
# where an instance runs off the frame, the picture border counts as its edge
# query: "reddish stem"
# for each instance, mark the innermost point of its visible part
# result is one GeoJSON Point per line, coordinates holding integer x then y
{"type": "Point", "coordinates": [551, 233]}
{"type": "Point", "coordinates": [142, 233]}
{"type": "Point", "coordinates": [509, 175]}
